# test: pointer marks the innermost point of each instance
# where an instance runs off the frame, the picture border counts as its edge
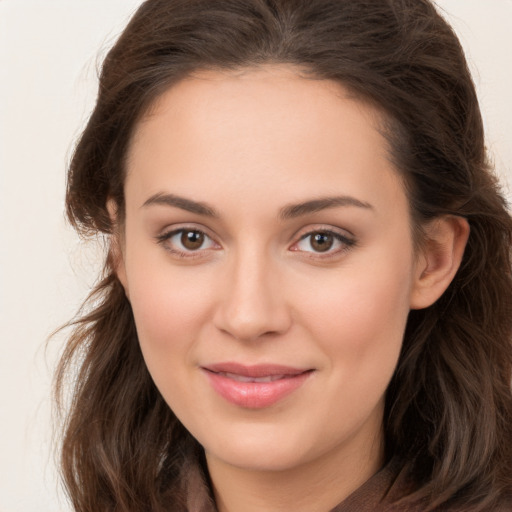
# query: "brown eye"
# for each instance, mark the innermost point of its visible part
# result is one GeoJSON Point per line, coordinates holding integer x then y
{"type": "Point", "coordinates": [192, 240]}
{"type": "Point", "coordinates": [187, 243]}
{"type": "Point", "coordinates": [321, 242]}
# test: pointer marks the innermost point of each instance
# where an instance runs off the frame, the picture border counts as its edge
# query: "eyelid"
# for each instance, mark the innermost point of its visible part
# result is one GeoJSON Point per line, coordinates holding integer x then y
{"type": "Point", "coordinates": [346, 238]}
{"type": "Point", "coordinates": [172, 231]}
{"type": "Point", "coordinates": [343, 236]}
{"type": "Point", "coordinates": [324, 228]}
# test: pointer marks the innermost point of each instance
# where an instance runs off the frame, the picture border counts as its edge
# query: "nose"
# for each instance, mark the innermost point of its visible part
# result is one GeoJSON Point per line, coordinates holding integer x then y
{"type": "Point", "coordinates": [252, 303]}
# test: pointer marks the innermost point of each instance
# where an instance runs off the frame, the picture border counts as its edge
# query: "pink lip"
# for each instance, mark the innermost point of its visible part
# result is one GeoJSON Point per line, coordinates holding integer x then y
{"type": "Point", "coordinates": [279, 382]}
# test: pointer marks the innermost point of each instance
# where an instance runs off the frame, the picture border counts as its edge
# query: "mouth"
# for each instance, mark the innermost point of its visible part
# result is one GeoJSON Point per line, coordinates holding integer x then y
{"type": "Point", "coordinates": [243, 378]}
{"type": "Point", "coordinates": [255, 386]}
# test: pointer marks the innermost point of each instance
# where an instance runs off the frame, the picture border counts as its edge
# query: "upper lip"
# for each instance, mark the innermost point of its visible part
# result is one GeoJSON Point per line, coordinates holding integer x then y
{"type": "Point", "coordinates": [257, 370]}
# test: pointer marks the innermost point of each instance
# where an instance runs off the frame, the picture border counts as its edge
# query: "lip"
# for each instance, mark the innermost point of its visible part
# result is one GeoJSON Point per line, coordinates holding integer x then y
{"type": "Point", "coordinates": [254, 386]}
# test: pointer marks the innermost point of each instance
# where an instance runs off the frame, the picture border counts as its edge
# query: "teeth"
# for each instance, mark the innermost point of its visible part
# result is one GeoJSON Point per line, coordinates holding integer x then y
{"type": "Point", "coordinates": [243, 378]}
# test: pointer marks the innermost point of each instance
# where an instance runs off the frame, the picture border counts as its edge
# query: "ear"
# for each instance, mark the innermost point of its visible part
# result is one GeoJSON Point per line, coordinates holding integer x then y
{"type": "Point", "coordinates": [439, 259]}
{"type": "Point", "coordinates": [116, 245]}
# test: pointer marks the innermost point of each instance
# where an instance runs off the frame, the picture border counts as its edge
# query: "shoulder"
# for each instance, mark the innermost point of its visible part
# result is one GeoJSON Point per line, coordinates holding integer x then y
{"type": "Point", "coordinates": [501, 506]}
{"type": "Point", "coordinates": [395, 478]}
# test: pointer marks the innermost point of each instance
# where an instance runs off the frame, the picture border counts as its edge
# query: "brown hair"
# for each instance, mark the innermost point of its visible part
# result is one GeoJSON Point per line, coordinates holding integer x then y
{"type": "Point", "coordinates": [449, 406]}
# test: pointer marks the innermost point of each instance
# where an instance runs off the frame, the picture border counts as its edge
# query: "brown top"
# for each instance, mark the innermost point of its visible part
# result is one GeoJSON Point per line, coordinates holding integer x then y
{"type": "Point", "coordinates": [386, 487]}
{"type": "Point", "coordinates": [376, 495]}
{"type": "Point", "coordinates": [373, 495]}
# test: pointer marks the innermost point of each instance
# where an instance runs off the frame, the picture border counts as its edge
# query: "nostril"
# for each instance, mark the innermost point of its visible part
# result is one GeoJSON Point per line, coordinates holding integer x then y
{"type": "Point", "coordinates": [250, 305]}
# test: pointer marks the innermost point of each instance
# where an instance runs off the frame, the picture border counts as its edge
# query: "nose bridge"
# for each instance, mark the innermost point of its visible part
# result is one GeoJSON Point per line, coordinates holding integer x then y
{"type": "Point", "coordinates": [252, 302]}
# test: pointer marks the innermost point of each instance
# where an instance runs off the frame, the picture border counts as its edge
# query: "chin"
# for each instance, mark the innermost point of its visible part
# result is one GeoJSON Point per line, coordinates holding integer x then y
{"type": "Point", "coordinates": [273, 450]}
{"type": "Point", "coordinates": [254, 449]}
{"type": "Point", "coordinates": [258, 460]}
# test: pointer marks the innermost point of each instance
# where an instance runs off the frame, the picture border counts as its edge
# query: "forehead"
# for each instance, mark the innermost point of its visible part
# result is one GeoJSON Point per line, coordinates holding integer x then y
{"type": "Point", "coordinates": [249, 129]}
{"type": "Point", "coordinates": [246, 97]}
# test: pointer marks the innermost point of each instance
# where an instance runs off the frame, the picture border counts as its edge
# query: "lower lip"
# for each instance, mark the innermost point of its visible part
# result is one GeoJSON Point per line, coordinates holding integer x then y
{"type": "Point", "coordinates": [255, 395]}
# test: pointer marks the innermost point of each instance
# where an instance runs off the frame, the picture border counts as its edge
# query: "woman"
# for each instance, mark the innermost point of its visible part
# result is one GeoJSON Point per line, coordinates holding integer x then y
{"type": "Point", "coordinates": [307, 296]}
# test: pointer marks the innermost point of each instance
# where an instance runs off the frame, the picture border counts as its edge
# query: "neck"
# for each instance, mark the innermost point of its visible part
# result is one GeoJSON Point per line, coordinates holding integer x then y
{"type": "Point", "coordinates": [317, 485]}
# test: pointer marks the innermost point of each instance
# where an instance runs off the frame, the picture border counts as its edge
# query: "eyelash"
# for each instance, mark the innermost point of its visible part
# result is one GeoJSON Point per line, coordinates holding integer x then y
{"type": "Point", "coordinates": [347, 243]}
{"type": "Point", "coordinates": [164, 238]}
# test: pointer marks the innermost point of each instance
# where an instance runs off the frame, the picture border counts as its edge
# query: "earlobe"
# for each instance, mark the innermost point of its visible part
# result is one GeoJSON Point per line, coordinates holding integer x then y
{"type": "Point", "coordinates": [115, 251]}
{"type": "Point", "coordinates": [439, 259]}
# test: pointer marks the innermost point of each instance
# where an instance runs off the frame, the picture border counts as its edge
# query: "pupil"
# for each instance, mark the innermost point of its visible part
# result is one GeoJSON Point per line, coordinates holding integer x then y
{"type": "Point", "coordinates": [192, 240]}
{"type": "Point", "coordinates": [321, 242]}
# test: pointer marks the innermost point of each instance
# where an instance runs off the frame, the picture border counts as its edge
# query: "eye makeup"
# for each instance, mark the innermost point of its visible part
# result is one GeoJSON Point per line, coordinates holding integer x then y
{"type": "Point", "coordinates": [191, 242]}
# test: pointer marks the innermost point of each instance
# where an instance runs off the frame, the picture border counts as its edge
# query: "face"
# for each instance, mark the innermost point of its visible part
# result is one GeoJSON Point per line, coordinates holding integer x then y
{"type": "Point", "coordinates": [268, 259]}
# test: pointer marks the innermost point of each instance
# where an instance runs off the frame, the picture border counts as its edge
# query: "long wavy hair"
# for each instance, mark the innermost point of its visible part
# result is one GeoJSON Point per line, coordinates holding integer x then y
{"type": "Point", "coordinates": [448, 414]}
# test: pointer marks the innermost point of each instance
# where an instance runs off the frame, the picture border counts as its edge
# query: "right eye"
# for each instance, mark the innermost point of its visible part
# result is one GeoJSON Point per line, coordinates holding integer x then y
{"type": "Point", "coordinates": [186, 242]}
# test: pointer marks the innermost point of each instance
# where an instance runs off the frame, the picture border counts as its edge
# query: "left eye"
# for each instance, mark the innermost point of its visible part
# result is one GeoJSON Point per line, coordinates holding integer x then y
{"type": "Point", "coordinates": [187, 240]}
{"type": "Point", "coordinates": [323, 242]}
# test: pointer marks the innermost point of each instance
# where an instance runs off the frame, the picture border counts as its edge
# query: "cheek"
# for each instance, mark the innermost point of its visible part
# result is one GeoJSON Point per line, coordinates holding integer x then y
{"type": "Point", "coordinates": [359, 327]}
{"type": "Point", "coordinates": [169, 313]}
{"type": "Point", "coordinates": [359, 316]}
{"type": "Point", "coordinates": [169, 308]}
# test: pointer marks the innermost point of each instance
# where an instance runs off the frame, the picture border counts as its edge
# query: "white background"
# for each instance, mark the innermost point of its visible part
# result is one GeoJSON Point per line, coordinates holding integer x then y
{"type": "Point", "coordinates": [49, 51]}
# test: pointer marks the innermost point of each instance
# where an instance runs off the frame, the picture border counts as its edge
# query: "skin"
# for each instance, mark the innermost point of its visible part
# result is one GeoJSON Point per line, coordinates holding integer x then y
{"type": "Point", "coordinates": [249, 144]}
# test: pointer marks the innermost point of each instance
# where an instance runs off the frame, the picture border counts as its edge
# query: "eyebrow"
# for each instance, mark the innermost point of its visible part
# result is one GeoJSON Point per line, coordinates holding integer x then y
{"type": "Point", "coordinates": [315, 205]}
{"type": "Point", "coordinates": [290, 211]}
{"type": "Point", "coordinates": [181, 202]}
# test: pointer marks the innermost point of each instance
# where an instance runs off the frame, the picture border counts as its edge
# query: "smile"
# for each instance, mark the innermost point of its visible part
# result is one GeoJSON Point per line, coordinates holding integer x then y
{"type": "Point", "coordinates": [254, 387]}
{"type": "Point", "coordinates": [243, 378]}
